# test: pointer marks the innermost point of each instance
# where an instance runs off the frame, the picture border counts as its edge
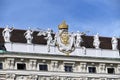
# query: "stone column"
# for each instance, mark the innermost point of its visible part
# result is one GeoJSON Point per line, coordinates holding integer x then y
{"type": "Point", "coordinates": [102, 68]}
{"type": "Point", "coordinates": [118, 69]}
{"type": "Point", "coordinates": [74, 67]}
{"type": "Point", "coordinates": [32, 64]}
{"type": "Point", "coordinates": [9, 63]}
{"type": "Point", "coordinates": [10, 76]}
{"type": "Point", "coordinates": [61, 67]}
{"type": "Point", "coordinates": [83, 67]}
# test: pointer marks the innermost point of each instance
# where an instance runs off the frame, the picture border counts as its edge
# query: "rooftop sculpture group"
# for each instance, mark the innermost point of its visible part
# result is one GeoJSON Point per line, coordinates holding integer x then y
{"type": "Point", "coordinates": [65, 41]}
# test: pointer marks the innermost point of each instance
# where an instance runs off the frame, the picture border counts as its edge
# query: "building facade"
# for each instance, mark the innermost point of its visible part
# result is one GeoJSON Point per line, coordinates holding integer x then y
{"type": "Point", "coordinates": [44, 55]}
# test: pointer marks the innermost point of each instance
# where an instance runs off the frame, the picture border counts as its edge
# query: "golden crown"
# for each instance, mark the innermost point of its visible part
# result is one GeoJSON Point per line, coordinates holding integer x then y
{"type": "Point", "coordinates": [63, 25]}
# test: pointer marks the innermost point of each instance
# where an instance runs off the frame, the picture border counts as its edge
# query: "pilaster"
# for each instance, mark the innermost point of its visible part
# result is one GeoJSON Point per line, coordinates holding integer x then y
{"type": "Point", "coordinates": [83, 67]}
{"type": "Point", "coordinates": [102, 68]}
{"type": "Point", "coordinates": [32, 64]}
{"type": "Point", "coordinates": [54, 65]}
{"type": "Point", "coordinates": [118, 69]}
{"type": "Point", "coordinates": [61, 66]}
{"type": "Point", "coordinates": [9, 63]}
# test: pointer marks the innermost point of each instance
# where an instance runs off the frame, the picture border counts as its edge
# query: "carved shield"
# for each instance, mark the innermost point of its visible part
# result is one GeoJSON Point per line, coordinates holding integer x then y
{"type": "Point", "coordinates": [64, 37]}
{"type": "Point", "coordinates": [65, 42]}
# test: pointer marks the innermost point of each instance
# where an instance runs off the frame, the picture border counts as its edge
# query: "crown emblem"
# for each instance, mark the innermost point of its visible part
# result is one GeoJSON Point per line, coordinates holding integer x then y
{"type": "Point", "coordinates": [63, 25]}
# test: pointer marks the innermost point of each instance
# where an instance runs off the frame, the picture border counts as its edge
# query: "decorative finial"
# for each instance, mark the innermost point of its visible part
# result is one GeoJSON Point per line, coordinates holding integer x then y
{"type": "Point", "coordinates": [63, 25]}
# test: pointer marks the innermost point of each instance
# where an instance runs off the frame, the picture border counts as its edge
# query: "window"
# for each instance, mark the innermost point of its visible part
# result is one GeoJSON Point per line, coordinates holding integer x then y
{"type": "Point", "coordinates": [92, 69]}
{"type": "Point", "coordinates": [68, 68]}
{"type": "Point", "coordinates": [1, 66]}
{"type": "Point", "coordinates": [43, 67]}
{"type": "Point", "coordinates": [21, 66]}
{"type": "Point", "coordinates": [110, 70]}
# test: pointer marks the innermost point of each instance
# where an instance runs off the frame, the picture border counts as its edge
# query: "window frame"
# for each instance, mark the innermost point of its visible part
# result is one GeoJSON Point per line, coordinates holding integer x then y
{"type": "Point", "coordinates": [38, 66]}
{"type": "Point", "coordinates": [92, 72]}
{"type": "Point", "coordinates": [68, 70]}
{"type": "Point", "coordinates": [109, 68]}
{"type": "Point", "coordinates": [2, 65]}
{"type": "Point", "coordinates": [69, 64]}
{"type": "Point", "coordinates": [21, 63]}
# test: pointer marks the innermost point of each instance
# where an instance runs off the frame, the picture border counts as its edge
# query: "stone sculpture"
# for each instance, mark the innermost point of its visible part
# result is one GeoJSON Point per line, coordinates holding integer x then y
{"type": "Point", "coordinates": [7, 34]}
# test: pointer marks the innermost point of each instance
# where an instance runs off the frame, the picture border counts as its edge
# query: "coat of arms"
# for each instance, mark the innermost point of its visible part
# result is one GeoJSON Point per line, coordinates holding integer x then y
{"type": "Point", "coordinates": [65, 40]}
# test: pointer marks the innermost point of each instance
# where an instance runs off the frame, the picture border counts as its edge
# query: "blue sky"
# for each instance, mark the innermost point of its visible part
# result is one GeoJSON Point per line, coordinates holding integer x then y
{"type": "Point", "coordinates": [96, 16]}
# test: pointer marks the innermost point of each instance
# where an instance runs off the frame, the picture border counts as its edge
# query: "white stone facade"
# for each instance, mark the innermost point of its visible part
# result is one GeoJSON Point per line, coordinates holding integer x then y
{"type": "Point", "coordinates": [56, 67]}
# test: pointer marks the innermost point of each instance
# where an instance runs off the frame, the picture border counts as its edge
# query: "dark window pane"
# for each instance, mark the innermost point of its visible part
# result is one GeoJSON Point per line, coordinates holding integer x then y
{"type": "Point", "coordinates": [110, 70]}
{"type": "Point", "coordinates": [43, 67]}
{"type": "Point", "coordinates": [92, 69]}
{"type": "Point", "coordinates": [68, 68]}
{"type": "Point", "coordinates": [1, 66]}
{"type": "Point", "coordinates": [21, 66]}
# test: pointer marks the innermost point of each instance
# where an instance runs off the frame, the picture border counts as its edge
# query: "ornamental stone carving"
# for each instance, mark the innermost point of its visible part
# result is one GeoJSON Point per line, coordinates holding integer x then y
{"type": "Point", "coordinates": [10, 76]}
{"type": "Point", "coordinates": [65, 40]}
{"type": "Point", "coordinates": [32, 64]}
{"type": "Point", "coordinates": [21, 77]}
{"type": "Point", "coordinates": [54, 77]}
{"type": "Point", "coordinates": [102, 68]}
{"type": "Point", "coordinates": [54, 65]}
{"type": "Point", "coordinates": [83, 67]}
{"type": "Point", "coordinates": [118, 68]}
{"type": "Point", "coordinates": [33, 77]}
{"type": "Point", "coordinates": [6, 33]}
{"type": "Point", "coordinates": [28, 35]}
{"type": "Point", "coordinates": [96, 42]}
{"type": "Point", "coordinates": [10, 63]}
